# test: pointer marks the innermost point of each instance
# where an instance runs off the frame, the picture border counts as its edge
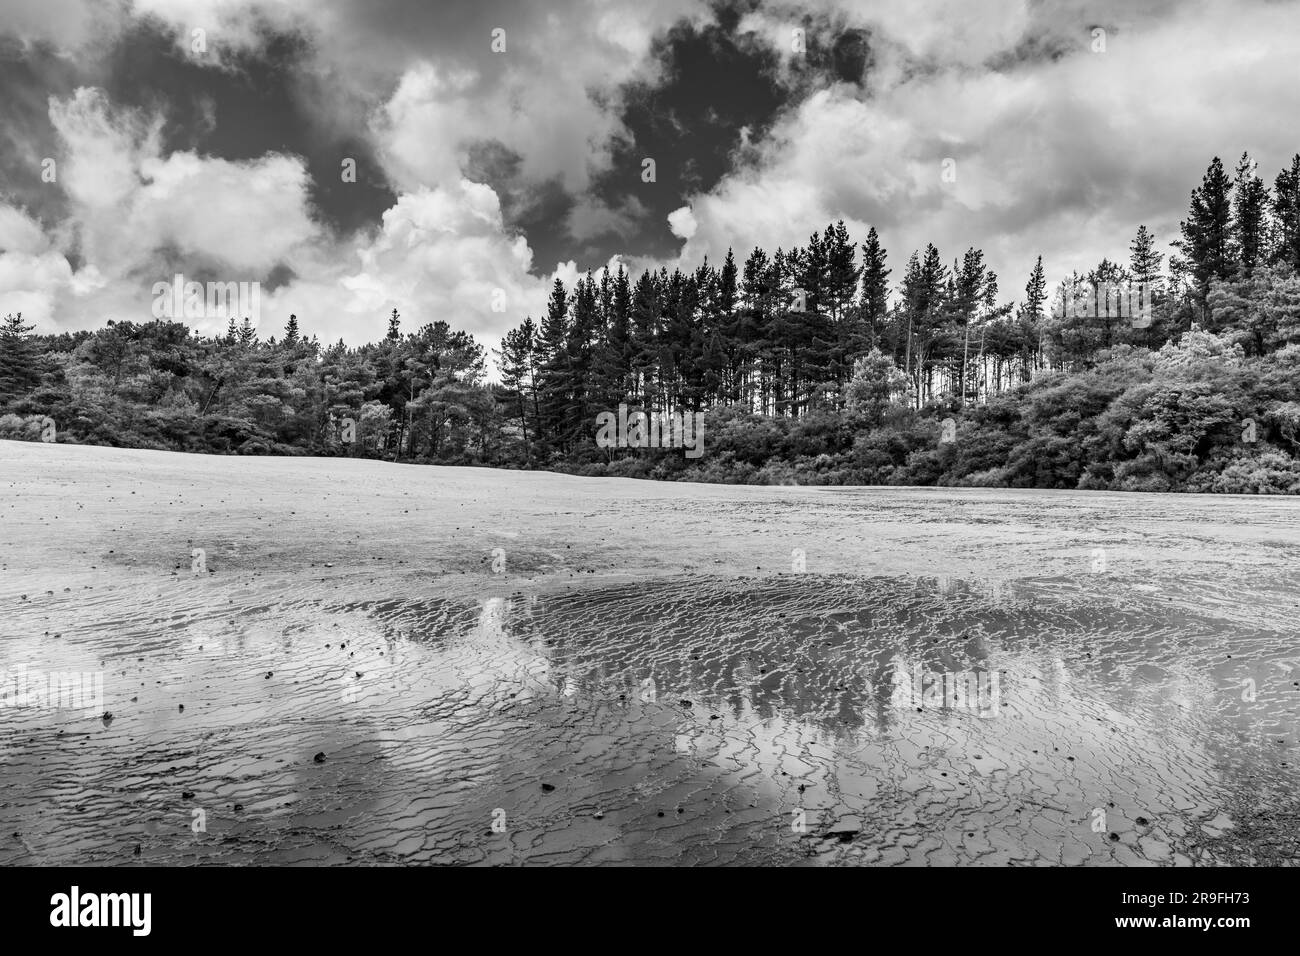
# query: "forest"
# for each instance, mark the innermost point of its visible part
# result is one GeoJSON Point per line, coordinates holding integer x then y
{"type": "Point", "coordinates": [822, 364]}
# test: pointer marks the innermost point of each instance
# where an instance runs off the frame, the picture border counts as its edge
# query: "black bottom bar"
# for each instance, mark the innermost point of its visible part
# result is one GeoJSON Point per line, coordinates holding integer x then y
{"type": "Point", "coordinates": [336, 906]}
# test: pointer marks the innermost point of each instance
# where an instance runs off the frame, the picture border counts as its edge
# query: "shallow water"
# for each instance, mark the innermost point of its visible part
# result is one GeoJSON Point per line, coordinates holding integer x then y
{"type": "Point", "coordinates": [648, 681]}
{"type": "Point", "coordinates": [701, 720]}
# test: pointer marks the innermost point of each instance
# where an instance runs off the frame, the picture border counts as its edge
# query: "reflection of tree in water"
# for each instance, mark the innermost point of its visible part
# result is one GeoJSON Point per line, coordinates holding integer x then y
{"type": "Point", "coordinates": [817, 649]}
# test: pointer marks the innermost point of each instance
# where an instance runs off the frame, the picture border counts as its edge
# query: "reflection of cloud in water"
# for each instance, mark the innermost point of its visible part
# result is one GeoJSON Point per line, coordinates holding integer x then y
{"type": "Point", "coordinates": [669, 721]}
{"type": "Point", "coordinates": [782, 707]}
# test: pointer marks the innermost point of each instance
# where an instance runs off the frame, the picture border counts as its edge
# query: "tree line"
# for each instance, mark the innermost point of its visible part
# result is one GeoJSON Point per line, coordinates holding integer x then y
{"type": "Point", "coordinates": [815, 364]}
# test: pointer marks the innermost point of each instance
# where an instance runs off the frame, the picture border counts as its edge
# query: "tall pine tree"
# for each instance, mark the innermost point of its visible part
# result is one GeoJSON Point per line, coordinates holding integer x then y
{"type": "Point", "coordinates": [1144, 261]}
{"type": "Point", "coordinates": [875, 286]}
{"type": "Point", "coordinates": [518, 376]}
{"type": "Point", "coordinates": [1206, 233]}
{"type": "Point", "coordinates": [554, 386]}
{"type": "Point", "coordinates": [18, 357]}
{"type": "Point", "coordinates": [1249, 205]}
{"type": "Point", "coordinates": [1286, 213]}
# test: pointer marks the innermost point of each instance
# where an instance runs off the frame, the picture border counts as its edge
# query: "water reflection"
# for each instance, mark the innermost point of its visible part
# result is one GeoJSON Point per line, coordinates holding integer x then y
{"type": "Point", "coordinates": [791, 719]}
{"type": "Point", "coordinates": [995, 705]}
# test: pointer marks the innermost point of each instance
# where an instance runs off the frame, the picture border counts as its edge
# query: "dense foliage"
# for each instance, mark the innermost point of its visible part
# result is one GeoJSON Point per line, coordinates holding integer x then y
{"type": "Point", "coordinates": [808, 367]}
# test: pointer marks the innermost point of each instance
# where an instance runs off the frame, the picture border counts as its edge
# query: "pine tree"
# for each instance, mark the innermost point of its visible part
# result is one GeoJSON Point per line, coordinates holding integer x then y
{"type": "Point", "coordinates": [247, 334]}
{"type": "Point", "coordinates": [1206, 233]}
{"type": "Point", "coordinates": [645, 335]}
{"type": "Point", "coordinates": [604, 304]}
{"type": "Point", "coordinates": [727, 289]}
{"type": "Point", "coordinates": [678, 342]}
{"type": "Point", "coordinates": [1036, 291]}
{"type": "Point", "coordinates": [1144, 265]}
{"type": "Point", "coordinates": [1249, 204]}
{"type": "Point", "coordinates": [875, 285]}
{"type": "Point", "coordinates": [291, 332]}
{"type": "Point", "coordinates": [554, 385]}
{"type": "Point", "coordinates": [1286, 213]}
{"type": "Point", "coordinates": [18, 358]}
{"type": "Point", "coordinates": [841, 286]}
{"type": "Point", "coordinates": [614, 362]}
{"type": "Point", "coordinates": [1144, 261]}
{"type": "Point", "coordinates": [913, 296]}
{"type": "Point", "coordinates": [394, 326]}
{"type": "Point", "coordinates": [729, 327]}
{"type": "Point", "coordinates": [580, 347]}
{"type": "Point", "coordinates": [971, 292]}
{"type": "Point", "coordinates": [929, 299]}
{"type": "Point", "coordinates": [841, 270]}
{"type": "Point", "coordinates": [518, 374]}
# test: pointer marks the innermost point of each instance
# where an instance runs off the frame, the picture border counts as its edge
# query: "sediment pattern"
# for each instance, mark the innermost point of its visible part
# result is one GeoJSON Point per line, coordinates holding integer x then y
{"type": "Point", "coordinates": [358, 711]}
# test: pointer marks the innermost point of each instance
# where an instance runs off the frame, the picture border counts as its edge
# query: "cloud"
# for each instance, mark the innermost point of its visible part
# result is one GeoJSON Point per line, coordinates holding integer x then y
{"type": "Point", "coordinates": [423, 86]}
{"type": "Point", "coordinates": [137, 218]}
{"type": "Point", "coordinates": [545, 86]}
{"type": "Point", "coordinates": [551, 98]}
{"type": "Point", "coordinates": [1061, 154]}
{"type": "Point", "coordinates": [248, 215]}
{"type": "Point", "coordinates": [682, 223]}
{"type": "Point", "coordinates": [128, 201]}
{"type": "Point", "coordinates": [441, 253]}
{"type": "Point", "coordinates": [69, 23]}
{"type": "Point", "coordinates": [20, 233]}
{"type": "Point", "coordinates": [590, 218]}
{"type": "Point", "coordinates": [1057, 150]}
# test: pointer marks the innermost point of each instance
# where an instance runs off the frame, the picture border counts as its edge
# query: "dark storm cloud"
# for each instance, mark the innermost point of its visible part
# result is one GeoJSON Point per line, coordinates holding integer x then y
{"type": "Point", "coordinates": [258, 103]}
{"type": "Point", "coordinates": [306, 82]}
{"type": "Point", "coordinates": [718, 90]}
{"type": "Point", "coordinates": [29, 75]}
{"type": "Point", "coordinates": [707, 82]}
{"type": "Point", "coordinates": [480, 170]}
{"type": "Point", "coordinates": [713, 83]}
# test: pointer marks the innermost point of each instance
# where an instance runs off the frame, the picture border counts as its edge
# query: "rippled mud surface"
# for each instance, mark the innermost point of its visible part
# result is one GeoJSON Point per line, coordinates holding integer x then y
{"type": "Point", "coordinates": [652, 674]}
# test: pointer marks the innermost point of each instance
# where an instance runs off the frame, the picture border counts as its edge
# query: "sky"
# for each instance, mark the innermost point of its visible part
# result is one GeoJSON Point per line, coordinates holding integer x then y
{"type": "Point", "coordinates": [500, 145]}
